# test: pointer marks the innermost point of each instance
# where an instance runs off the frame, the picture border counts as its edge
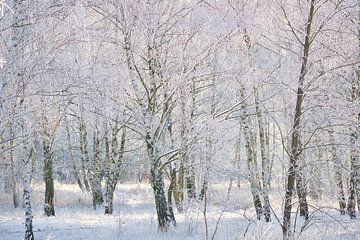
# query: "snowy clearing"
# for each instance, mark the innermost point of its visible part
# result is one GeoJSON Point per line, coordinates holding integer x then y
{"type": "Point", "coordinates": [135, 218]}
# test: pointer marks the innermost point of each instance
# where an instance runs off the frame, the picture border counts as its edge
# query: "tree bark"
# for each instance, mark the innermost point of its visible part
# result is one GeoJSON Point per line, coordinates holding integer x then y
{"type": "Point", "coordinates": [84, 154]}
{"type": "Point", "coordinates": [172, 191]}
{"type": "Point", "coordinates": [251, 162]}
{"type": "Point", "coordinates": [96, 179]}
{"type": "Point", "coordinates": [29, 235]}
{"type": "Point", "coordinates": [354, 152]}
{"type": "Point", "coordinates": [114, 165]}
{"type": "Point", "coordinates": [265, 161]}
{"type": "Point", "coordinates": [14, 188]}
{"type": "Point", "coordinates": [295, 138]}
{"type": "Point", "coordinates": [49, 209]}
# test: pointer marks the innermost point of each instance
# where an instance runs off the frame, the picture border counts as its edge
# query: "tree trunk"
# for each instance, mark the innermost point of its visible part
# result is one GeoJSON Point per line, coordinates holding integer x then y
{"type": "Point", "coordinates": [190, 164]}
{"type": "Point", "coordinates": [354, 171]}
{"type": "Point", "coordinates": [251, 162]}
{"type": "Point", "coordinates": [301, 191]}
{"type": "Point", "coordinates": [338, 174]}
{"type": "Point", "coordinates": [29, 235]}
{"type": "Point", "coordinates": [110, 159]}
{"type": "Point", "coordinates": [172, 191]}
{"type": "Point", "coordinates": [96, 179]}
{"type": "Point", "coordinates": [49, 209]}
{"type": "Point", "coordinates": [354, 141]}
{"type": "Point", "coordinates": [190, 179]}
{"type": "Point", "coordinates": [164, 217]}
{"type": "Point", "coordinates": [72, 158]}
{"type": "Point", "coordinates": [265, 161]}
{"type": "Point", "coordinates": [109, 198]}
{"type": "Point", "coordinates": [84, 155]}
{"type": "Point", "coordinates": [14, 189]}
{"type": "Point", "coordinates": [114, 164]}
{"type": "Point", "coordinates": [295, 138]}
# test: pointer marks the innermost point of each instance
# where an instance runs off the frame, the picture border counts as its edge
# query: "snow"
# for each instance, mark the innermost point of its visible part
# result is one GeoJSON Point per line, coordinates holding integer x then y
{"type": "Point", "coordinates": [135, 218]}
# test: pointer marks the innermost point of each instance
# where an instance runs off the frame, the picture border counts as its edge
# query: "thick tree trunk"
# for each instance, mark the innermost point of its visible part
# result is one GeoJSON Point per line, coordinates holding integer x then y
{"type": "Point", "coordinates": [49, 209]}
{"type": "Point", "coordinates": [165, 218]}
{"type": "Point", "coordinates": [109, 198]}
{"type": "Point", "coordinates": [163, 214]}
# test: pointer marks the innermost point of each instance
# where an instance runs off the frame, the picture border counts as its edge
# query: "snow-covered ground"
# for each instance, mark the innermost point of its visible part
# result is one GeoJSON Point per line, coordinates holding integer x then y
{"type": "Point", "coordinates": [135, 218]}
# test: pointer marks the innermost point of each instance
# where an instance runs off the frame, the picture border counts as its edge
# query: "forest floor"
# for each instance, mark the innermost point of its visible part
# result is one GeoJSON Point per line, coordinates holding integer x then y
{"type": "Point", "coordinates": [135, 218]}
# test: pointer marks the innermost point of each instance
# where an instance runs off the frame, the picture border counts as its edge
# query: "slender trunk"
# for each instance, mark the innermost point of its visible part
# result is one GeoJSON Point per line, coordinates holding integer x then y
{"type": "Point", "coordinates": [352, 192]}
{"type": "Point", "coordinates": [190, 164]}
{"type": "Point", "coordinates": [190, 179]}
{"type": "Point", "coordinates": [295, 138]}
{"type": "Point", "coordinates": [183, 154]}
{"type": "Point", "coordinates": [172, 191]}
{"type": "Point", "coordinates": [338, 174]}
{"type": "Point", "coordinates": [179, 196]}
{"type": "Point", "coordinates": [251, 163]}
{"type": "Point", "coordinates": [205, 218]}
{"type": "Point", "coordinates": [354, 139]}
{"type": "Point", "coordinates": [204, 186]}
{"type": "Point", "coordinates": [114, 166]}
{"type": "Point", "coordinates": [15, 195]}
{"type": "Point", "coordinates": [111, 157]}
{"type": "Point", "coordinates": [96, 179]}
{"type": "Point", "coordinates": [29, 235]}
{"type": "Point", "coordinates": [108, 188]}
{"type": "Point", "coordinates": [300, 186]}
{"type": "Point", "coordinates": [265, 165]}
{"type": "Point", "coordinates": [354, 188]}
{"type": "Point", "coordinates": [16, 72]}
{"type": "Point", "coordinates": [84, 155]}
{"type": "Point", "coordinates": [235, 165]}
{"type": "Point", "coordinates": [209, 139]}
{"type": "Point", "coordinates": [301, 192]}
{"type": "Point", "coordinates": [72, 158]}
